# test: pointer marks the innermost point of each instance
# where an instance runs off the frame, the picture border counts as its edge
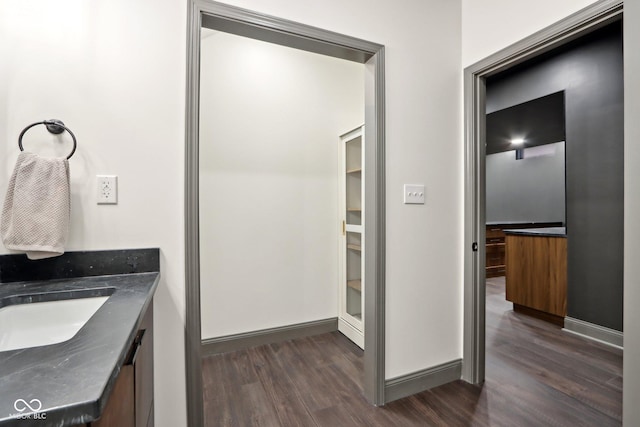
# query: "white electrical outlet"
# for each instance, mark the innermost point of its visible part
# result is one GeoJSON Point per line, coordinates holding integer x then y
{"type": "Point", "coordinates": [413, 194]}
{"type": "Point", "coordinates": [107, 186]}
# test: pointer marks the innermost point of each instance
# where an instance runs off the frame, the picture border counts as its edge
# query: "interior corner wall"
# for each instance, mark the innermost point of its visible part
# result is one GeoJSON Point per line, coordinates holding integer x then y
{"type": "Point", "coordinates": [631, 369]}
{"type": "Point", "coordinates": [590, 73]}
{"type": "Point", "coordinates": [270, 121]}
{"type": "Point", "coordinates": [114, 72]}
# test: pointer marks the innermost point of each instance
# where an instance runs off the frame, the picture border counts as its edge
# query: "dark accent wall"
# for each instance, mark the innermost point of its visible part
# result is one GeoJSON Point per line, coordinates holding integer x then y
{"type": "Point", "coordinates": [590, 71]}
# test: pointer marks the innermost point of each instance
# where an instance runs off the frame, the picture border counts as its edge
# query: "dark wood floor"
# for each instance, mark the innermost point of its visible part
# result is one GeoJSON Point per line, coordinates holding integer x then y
{"type": "Point", "coordinates": [536, 375]}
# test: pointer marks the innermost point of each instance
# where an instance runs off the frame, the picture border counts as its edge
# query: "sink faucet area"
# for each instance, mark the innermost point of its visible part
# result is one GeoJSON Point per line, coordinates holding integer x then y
{"type": "Point", "coordinates": [34, 324]}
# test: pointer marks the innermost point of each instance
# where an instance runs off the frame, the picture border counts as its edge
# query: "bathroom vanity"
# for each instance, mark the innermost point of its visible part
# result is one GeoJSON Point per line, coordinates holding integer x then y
{"type": "Point", "coordinates": [102, 375]}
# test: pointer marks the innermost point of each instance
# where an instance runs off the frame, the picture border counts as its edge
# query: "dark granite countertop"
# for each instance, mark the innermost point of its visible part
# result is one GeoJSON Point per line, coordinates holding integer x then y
{"type": "Point", "coordinates": [540, 232]}
{"type": "Point", "coordinates": [510, 222]}
{"type": "Point", "coordinates": [532, 223]}
{"type": "Point", "coordinates": [73, 379]}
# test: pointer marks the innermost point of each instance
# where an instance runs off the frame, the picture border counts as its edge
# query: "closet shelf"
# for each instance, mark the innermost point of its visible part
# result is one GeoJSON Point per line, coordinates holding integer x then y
{"type": "Point", "coordinates": [355, 284]}
{"type": "Point", "coordinates": [355, 170]}
{"type": "Point", "coordinates": [354, 247]}
{"type": "Point", "coordinates": [354, 209]}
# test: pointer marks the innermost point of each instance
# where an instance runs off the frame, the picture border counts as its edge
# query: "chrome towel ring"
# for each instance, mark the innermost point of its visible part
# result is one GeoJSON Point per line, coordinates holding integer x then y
{"type": "Point", "coordinates": [54, 126]}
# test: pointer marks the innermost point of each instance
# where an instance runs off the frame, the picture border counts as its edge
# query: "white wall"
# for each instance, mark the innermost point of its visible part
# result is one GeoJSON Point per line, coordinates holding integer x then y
{"type": "Point", "coordinates": [269, 223]}
{"type": "Point", "coordinates": [113, 71]}
{"type": "Point", "coordinates": [491, 25]}
{"type": "Point", "coordinates": [631, 390]}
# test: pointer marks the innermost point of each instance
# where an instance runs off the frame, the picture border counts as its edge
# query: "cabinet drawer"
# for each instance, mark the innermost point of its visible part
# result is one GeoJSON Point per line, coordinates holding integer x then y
{"type": "Point", "coordinates": [494, 232]}
{"type": "Point", "coordinates": [495, 261]}
{"type": "Point", "coordinates": [495, 255]}
{"type": "Point", "coordinates": [492, 240]}
{"type": "Point", "coordinates": [495, 249]}
{"type": "Point", "coordinates": [495, 271]}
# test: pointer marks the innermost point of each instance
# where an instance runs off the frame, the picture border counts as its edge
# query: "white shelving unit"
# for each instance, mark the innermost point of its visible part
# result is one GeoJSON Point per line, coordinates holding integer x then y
{"type": "Point", "coordinates": [352, 281]}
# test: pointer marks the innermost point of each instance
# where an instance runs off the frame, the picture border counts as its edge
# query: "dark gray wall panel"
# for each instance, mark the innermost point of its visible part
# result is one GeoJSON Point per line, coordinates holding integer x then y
{"type": "Point", "coordinates": [590, 73]}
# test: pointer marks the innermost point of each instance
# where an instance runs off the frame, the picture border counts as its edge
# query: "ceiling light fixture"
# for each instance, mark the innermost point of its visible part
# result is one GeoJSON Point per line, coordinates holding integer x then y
{"type": "Point", "coordinates": [517, 141]}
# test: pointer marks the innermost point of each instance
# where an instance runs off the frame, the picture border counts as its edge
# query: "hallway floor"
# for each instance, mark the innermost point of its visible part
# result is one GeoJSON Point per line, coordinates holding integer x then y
{"type": "Point", "coordinates": [537, 375]}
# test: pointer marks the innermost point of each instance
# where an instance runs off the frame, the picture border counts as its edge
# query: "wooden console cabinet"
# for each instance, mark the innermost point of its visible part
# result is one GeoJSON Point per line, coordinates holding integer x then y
{"type": "Point", "coordinates": [495, 244]}
{"type": "Point", "coordinates": [536, 275]}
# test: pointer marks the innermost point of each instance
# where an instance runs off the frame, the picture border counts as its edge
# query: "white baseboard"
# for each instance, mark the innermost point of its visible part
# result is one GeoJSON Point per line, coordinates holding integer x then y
{"type": "Point", "coordinates": [352, 333]}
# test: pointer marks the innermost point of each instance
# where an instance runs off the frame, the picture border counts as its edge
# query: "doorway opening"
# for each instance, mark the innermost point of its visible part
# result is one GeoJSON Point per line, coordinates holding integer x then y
{"type": "Point", "coordinates": [228, 19]}
{"type": "Point", "coordinates": [579, 25]}
{"type": "Point", "coordinates": [273, 208]}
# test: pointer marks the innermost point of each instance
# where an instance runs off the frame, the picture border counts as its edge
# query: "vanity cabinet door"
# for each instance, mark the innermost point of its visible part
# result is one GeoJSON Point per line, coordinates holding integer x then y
{"type": "Point", "coordinates": [131, 400]}
{"type": "Point", "coordinates": [144, 373]}
{"type": "Point", "coordinates": [120, 407]}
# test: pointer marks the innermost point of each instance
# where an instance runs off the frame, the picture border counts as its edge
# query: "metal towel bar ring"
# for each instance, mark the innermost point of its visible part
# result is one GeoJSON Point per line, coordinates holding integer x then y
{"type": "Point", "coordinates": [54, 126]}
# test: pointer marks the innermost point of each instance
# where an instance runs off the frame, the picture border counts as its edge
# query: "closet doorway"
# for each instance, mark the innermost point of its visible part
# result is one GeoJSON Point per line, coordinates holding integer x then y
{"type": "Point", "coordinates": [227, 20]}
{"type": "Point", "coordinates": [270, 189]}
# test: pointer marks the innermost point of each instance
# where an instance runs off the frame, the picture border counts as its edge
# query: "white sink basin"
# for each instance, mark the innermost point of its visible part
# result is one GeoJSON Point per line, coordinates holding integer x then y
{"type": "Point", "coordinates": [44, 323]}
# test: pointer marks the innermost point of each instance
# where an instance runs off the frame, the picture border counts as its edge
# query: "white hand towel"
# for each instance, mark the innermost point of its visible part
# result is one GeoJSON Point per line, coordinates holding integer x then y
{"type": "Point", "coordinates": [35, 216]}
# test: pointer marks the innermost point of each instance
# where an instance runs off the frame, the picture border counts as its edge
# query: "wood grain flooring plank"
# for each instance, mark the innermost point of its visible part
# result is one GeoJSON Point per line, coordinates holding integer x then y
{"type": "Point", "coordinates": [473, 402]}
{"type": "Point", "coordinates": [259, 409]}
{"type": "Point", "coordinates": [338, 416]}
{"type": "Point", "coordinates": [616, 383]}
{"type": "Point", "coordinates": [409, 412]}
{"type": "Point", "coordinates": [312, 378]}
{"type": "Point", "coordinates": [544, 404]}
{"type": "Point", "coordinates": [543, 354]}
{"type": "Point", "coordinates": [536, 375]}
{"type": "Point", "coordinates": [559, 378]}
{"type": "Point", "coordinates": [283, 395]}
{"type": "Point", "coordinates": [221, 407]}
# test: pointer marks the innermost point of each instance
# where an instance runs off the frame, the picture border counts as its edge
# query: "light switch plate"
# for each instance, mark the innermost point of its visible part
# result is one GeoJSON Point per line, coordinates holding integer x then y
{"type": "Point", "coordinates": [413, 194]}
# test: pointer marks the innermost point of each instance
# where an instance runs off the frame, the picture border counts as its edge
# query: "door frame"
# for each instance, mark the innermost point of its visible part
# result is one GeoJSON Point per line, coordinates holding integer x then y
{"type": "Point", "coordinates": [292, 34]}
{"type": "Point", "coordinates": [576, 25]}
